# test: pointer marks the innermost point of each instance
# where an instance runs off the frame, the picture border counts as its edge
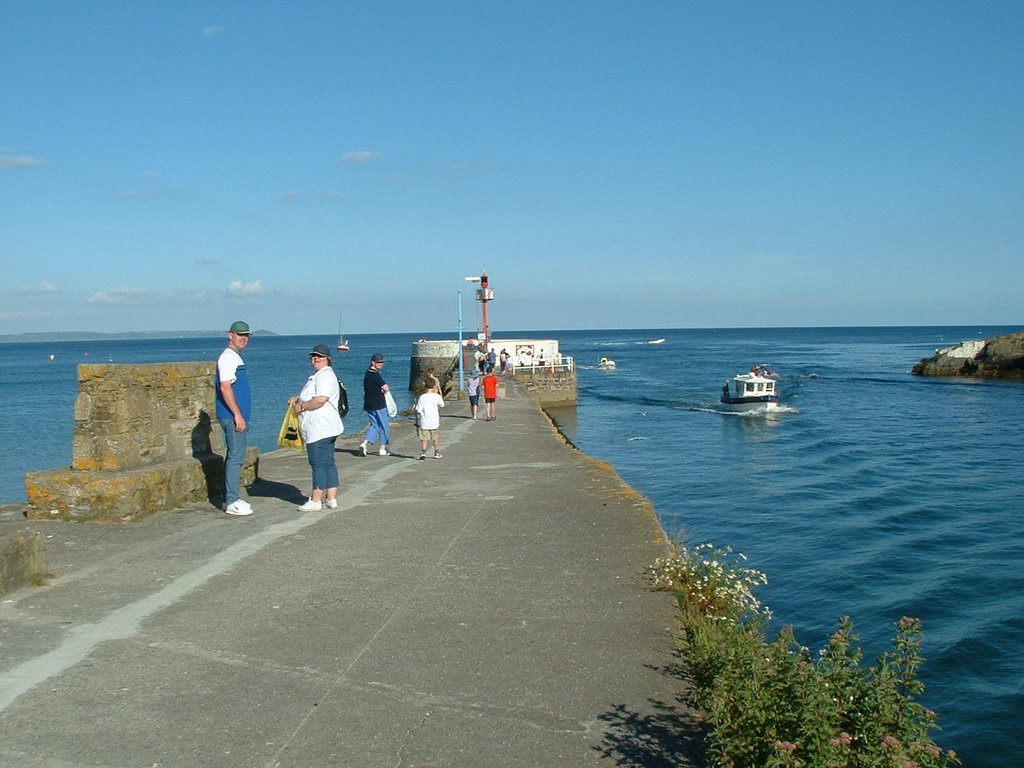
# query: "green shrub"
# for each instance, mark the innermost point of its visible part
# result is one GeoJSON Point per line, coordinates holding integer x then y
{"type": "Point", "coordinates": [771, 705]}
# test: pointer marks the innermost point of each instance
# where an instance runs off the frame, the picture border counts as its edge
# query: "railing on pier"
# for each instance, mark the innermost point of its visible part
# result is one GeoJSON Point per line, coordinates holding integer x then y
{"type": "Point", "coordinates": [561, 364]}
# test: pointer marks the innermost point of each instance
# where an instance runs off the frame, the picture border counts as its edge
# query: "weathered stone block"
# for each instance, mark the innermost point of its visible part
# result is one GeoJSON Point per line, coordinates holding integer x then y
{"type": "Point", "coordinates": [22, 559]}
{"type": "Point", "coordinates": [145, 440]}
{"type": "Point", "coordinates": [129, 495]}
{"type": "Point", "coordinates": [129, 416]}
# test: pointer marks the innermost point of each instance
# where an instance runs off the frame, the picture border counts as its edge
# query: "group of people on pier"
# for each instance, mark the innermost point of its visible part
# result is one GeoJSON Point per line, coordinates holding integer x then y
{"type": "Point", "coordinates": [318, 406]}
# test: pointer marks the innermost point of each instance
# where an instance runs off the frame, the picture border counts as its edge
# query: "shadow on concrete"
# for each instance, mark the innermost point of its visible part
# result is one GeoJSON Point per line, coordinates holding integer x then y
{"type": "Point", "coordinates": [271, 489]}
{"type": "Point", "coordinates": [212, 463]}
{"type": "Point", "coordinates": [666, 735]}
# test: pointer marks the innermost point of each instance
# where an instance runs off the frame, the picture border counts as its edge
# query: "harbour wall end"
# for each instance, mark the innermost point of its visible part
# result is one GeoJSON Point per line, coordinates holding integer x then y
{"type": "Point", "coordinates": [547, 375]}
{"type": "Point", "coordinates": [145, 440]}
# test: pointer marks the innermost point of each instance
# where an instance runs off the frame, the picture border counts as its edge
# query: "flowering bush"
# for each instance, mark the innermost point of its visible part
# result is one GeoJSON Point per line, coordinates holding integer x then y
{"type": "Point", "coordinates": [774, 705]}
{"type": "Point", "coordinates": [711, 581]}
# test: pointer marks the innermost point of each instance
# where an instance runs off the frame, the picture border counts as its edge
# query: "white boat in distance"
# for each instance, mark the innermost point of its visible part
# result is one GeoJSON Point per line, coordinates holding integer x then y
{"type": "Point", "coordinates": [756, 390]}
{"type": "Point", "coordinates": [342, 341]}
{"type": "Point", "coordinates": [606, 364]}
{"type": "Point", "coordinates": [656, 341]}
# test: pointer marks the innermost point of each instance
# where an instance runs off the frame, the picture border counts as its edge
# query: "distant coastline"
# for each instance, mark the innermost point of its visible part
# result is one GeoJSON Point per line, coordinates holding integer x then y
{"type": "Point", "coordinates": [21, 338]}
{"type": "Point", "coordinates": [970, 331]}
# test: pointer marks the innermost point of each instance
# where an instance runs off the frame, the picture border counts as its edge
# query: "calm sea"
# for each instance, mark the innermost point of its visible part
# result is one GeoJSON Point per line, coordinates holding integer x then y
{"type": "Point", "coordinates": [873, 493]}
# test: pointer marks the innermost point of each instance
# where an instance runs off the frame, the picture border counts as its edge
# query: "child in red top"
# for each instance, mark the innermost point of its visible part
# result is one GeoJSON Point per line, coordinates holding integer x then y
{"type": "Point", "coordinates": [490, 385]}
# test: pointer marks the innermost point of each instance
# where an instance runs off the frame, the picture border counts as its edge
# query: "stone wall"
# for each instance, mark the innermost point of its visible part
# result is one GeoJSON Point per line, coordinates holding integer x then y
{"type": "Point", "coordinates": [550, 388]}
{"type": "Point", "coordinates": [132, 416]}
{"type": "Point", "coordinates": [442, 356]}
{"type": "Point", "coordinates": [145, 439]}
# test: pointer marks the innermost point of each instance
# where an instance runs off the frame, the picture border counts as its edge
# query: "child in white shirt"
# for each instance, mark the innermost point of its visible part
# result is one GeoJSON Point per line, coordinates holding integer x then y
{"type": "Point", "coordinates": [427, 411]}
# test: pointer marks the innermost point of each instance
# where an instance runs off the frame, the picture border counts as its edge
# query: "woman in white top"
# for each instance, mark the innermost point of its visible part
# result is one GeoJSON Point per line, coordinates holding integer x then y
{"type": "Point", "coordinates": [320, 424]}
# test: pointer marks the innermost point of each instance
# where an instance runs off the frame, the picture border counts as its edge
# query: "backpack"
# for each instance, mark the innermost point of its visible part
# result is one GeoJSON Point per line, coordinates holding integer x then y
{"type": "Point", "coordinates": [342, 400]}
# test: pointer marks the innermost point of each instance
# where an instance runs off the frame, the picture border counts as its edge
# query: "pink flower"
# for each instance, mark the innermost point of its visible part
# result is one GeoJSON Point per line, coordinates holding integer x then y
{"type": "Point", "coordinates": [842, 740]}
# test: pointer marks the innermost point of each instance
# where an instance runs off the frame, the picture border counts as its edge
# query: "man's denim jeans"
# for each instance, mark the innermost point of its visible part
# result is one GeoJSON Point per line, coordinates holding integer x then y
{"type": "Point", "coordinates": [235, 443]}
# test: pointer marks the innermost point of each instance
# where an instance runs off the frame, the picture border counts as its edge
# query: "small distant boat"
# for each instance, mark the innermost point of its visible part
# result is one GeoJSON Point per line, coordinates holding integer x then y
{"type": "Point", "coordinates": [606, 364]}
{"type": "Point", "coordinates": [342, 341]}
{"type": "Point", "coordinates": [656, 341]}
{"type": "Point", "coordinates": [756, 390]}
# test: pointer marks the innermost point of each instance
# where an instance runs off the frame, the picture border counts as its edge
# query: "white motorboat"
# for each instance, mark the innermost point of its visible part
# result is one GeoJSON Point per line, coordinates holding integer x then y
{"type": "Point", "coordinates": [606, 364]}
{"type": "Point", "coordinates": [656, 341]}
{"type": "Point", "coordinates": [342, 341]}
{"type": "Point", "coordinates": [756, 390]}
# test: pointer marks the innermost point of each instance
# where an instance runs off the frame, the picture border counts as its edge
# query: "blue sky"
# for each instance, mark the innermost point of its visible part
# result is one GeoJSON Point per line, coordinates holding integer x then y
{"type": "Point", "coordinates": [179, 165]}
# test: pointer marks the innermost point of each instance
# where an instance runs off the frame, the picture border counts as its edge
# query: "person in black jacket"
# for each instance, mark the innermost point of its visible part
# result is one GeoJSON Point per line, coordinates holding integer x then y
{"type": "Point", "coordinates": [376, 406]}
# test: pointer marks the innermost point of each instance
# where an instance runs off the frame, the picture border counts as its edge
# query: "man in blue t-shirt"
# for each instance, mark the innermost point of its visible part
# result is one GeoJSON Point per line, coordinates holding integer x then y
{"type": "Point", "coordinates": [234, 404]}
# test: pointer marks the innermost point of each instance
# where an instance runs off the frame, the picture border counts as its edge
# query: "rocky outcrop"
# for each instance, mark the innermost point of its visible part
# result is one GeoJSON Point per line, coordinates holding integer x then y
{"type": "Point", "coordinates": [999, 358]}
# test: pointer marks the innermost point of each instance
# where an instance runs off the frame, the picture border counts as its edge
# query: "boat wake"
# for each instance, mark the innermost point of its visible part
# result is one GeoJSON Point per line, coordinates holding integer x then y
{"type": "Point", "coordinates": [756, 413]}
{"type": "Point", "coordinates": [759, 413]}
{"type": "Point", "coordinates": [623, 343]}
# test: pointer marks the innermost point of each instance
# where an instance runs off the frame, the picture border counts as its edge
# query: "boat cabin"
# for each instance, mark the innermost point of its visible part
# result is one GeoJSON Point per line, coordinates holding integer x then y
{"type": "Point", "coordinates": [749, 385]}
{"type": "Point", "coordinates": [758, 388]}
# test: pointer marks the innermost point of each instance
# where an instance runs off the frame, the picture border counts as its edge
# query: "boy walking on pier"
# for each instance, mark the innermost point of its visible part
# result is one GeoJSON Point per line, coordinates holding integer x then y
{"type": "Point", "coordinates": [490, 385]}
{"type": "Point", "coordinates": [428, 413]}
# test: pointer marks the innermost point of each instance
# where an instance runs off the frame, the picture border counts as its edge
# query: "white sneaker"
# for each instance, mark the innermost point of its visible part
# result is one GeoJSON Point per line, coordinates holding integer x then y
{"type": "Point", "coordinates": [331, 503]}
{"type": "Point", "coordinates": [238, 508]}
{"type": "Point", "coordinates": [311, 506]}
{"type": "Point", "coordinates": [362, 447]}
{"type": "Point", "coordinates": [385, 452]}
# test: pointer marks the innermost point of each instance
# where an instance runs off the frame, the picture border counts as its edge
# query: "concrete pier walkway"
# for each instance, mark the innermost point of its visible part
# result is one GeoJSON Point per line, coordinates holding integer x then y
{"type": "Point", "coordinates": [485, 609]}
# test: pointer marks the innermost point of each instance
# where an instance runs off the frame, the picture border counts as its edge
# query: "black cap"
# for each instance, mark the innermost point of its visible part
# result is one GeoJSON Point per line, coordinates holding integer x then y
{"type": "Point", "coordinates": [321, 351]}
{"type": "Point", "coordinates": [377, 358]}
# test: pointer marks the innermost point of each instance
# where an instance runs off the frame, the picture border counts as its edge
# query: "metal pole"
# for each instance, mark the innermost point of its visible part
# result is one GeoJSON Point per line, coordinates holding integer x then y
{"type": "Point", "coordinates": [483, 298]}
{"type": "Point", "coordinates": [462, 383]}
